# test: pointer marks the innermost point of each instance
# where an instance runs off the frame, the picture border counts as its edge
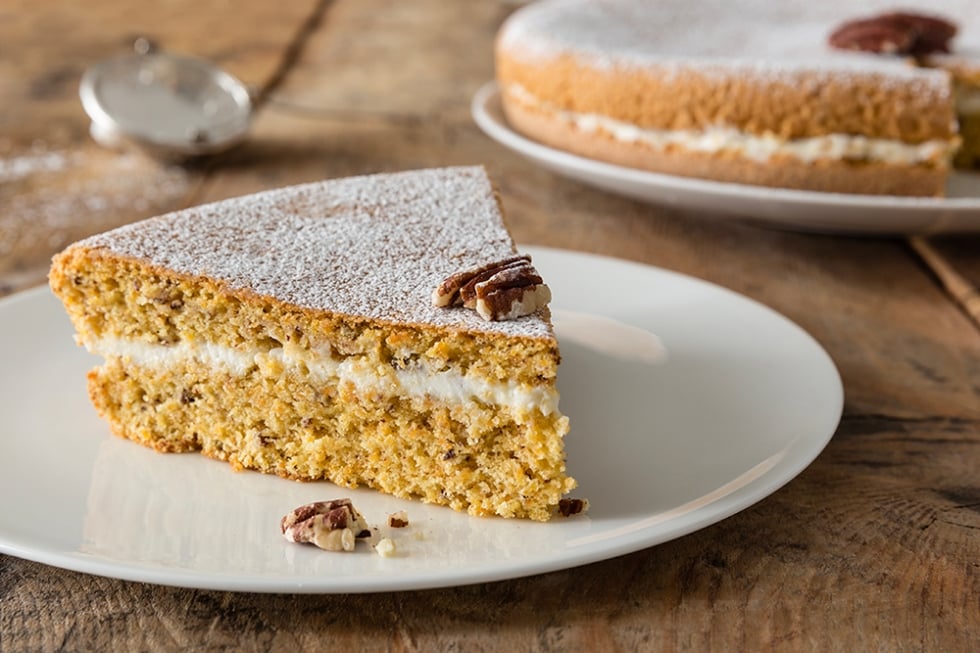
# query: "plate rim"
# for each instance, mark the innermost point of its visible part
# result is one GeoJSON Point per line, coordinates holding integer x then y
{"type": "Point", "coordinates": [715, 511]}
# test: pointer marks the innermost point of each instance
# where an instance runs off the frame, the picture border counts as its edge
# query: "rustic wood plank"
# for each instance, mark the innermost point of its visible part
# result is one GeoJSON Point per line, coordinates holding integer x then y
{"type": "Point", "coordinates": [963, 252]}
{"type": "Point", "coordinates": [874, 547]}
{"type": "Point", "coordinates": [955, 263]}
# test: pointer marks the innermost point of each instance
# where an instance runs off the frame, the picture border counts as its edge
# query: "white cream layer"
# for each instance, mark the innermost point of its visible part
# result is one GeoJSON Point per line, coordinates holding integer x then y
{"type": "Point", "coordinates": [718, 139]}
{"type": "Point", "coordinates": [366, 376]}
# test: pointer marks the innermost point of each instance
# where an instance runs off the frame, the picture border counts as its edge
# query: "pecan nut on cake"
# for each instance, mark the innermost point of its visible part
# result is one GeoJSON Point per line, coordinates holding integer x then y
{"type": "Point", "coordinates": [753, 92]}
{"type": "Point", "coordinates": [294, 332]}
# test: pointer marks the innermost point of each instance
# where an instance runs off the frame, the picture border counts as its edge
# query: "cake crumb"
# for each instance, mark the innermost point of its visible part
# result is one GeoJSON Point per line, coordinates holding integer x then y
{"type": "Point", "coordinates": [386, 547]}
{"type": "Point", "coordinates": [398, 519]}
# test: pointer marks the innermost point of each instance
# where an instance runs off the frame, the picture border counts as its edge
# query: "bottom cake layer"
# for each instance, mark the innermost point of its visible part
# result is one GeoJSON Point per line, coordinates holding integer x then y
{"type": "Point", "coordinates": [484, 459]}
{"type": "Point", "coordinates": [825, 175]}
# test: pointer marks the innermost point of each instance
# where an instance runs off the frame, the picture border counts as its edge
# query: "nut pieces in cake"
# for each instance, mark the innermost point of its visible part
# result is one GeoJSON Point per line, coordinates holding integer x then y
{"type": "Point", "coordinates": [331, 525]}
{"type": "Point", "coordinates": [503, 290]}
{"type": "Point", "coordinates": [898, 33]}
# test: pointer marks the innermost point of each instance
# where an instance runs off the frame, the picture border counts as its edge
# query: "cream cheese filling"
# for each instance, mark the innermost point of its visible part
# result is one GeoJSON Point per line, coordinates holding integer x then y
{"type": "Point", "coordinates": [368, 377]}
{"type": "Point", "coordinates": [720, 138]}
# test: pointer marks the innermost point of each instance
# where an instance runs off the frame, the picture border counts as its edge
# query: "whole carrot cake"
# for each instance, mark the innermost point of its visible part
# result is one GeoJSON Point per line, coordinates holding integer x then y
{"type": "Point", "coordinates": [822, 96]}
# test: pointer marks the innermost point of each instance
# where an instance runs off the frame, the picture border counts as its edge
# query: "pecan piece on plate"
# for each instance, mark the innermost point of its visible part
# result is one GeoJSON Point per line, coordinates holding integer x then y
{"type": "Point", "coordinates": [569, 507]}
{"type": "Point", "coordinates": [331, 525]}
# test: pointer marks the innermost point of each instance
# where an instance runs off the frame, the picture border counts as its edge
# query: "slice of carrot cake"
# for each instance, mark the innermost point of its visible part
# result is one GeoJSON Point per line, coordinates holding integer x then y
{"type": "Point", "coordinates": [323, 331]}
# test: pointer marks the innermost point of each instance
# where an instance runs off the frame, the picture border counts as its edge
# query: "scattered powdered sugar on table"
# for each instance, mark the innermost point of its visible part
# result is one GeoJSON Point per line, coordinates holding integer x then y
{"type": "Point", "coordinates": [754, 38]}
{"type": "Point", "coordinates": [37, 161]}
{"type": "Point", "coordinates": [374, 246]}
{"type": "Point", "coordinates": [51, 197]}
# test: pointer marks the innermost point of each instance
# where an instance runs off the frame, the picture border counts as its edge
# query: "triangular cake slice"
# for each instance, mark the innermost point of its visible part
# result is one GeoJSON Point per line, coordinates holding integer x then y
{"type": "Point", "coordinates": [294, 332]}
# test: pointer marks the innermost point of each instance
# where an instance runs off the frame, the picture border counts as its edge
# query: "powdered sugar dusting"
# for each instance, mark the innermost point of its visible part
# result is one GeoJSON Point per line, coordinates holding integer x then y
{"type": "Point", "coordinates": [373, 246]}
{"type": "Point", "coordinates": [754, 38]}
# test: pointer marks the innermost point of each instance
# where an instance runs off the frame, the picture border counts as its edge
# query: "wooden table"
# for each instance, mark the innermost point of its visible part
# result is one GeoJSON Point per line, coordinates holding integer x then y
{"type": "Point", "coordinates": [876, 546]}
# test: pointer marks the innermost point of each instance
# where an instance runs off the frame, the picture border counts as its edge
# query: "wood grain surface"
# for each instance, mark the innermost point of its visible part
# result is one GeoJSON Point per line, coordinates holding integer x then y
{"type": "Point", "coordinates": [875, 547]}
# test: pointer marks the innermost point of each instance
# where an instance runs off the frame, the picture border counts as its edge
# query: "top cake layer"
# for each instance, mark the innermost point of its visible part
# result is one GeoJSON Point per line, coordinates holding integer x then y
{"type": "Point", "coordinates": [756, 38]}
{"type": "Point", "coordinates": [373, 246]}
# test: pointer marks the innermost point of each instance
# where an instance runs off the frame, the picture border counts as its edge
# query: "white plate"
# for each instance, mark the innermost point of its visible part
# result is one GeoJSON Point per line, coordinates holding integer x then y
{"type": "Point", "coordinates": [741, 403]}
{"type": "Point", "coordinates": [774, 207]}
